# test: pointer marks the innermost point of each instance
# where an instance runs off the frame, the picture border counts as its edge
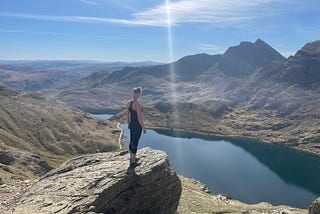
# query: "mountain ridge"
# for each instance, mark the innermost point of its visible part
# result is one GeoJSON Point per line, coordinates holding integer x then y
{"type": "Point", "coordinates": [188, 78]}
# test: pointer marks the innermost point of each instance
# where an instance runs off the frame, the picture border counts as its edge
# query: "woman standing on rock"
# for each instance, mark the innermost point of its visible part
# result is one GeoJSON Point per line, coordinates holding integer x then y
{"type": "Point", "coordinates": [135, 122]}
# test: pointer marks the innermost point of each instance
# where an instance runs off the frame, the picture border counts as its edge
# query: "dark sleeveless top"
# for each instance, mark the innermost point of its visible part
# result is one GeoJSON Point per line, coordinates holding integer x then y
{"type": "Point", "coordinates": [134, 122]}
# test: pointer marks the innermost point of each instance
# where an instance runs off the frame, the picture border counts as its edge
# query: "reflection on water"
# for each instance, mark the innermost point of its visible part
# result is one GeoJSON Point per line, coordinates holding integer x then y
{"type": "Point", "coordinates": [248, 171]}
{"type": "Point", "coordinates": [285, 162]}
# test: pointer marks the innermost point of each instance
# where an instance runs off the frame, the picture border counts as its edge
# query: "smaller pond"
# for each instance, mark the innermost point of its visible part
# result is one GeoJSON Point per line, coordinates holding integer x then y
{"type": "Point", "coordinates": [104, 116]}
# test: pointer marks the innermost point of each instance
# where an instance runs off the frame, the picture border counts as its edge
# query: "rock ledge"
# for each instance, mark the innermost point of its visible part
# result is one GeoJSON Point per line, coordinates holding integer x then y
{"type": "Point", "coordinates": [104, 183]}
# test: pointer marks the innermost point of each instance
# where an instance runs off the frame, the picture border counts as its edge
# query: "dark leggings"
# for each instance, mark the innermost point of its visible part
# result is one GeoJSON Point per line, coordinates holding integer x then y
{"type": "Point", "coordinates": [135, 135]}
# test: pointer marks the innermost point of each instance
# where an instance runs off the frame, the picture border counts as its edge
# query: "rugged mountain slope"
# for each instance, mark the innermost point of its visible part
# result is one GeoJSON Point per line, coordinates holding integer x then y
{"type": "Point", "coordinates": [49, 129]}
{"type": "Point", "coordinates": [198, 78]}
{"type": "Point", "coordinates": [103, 90]}
{"type": "Point", "coordinates": [303, 68]}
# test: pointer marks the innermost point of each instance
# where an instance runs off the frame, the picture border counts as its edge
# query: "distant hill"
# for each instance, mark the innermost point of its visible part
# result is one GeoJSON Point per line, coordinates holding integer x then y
{"type": "Point", "coordinates": [29, 79]}
{"type": "Point", "coordinates": [42, 75]}
{"type": "Point", "coordinates": [49, 129]}
{"type": "Point", "coordinates": [81, 67]}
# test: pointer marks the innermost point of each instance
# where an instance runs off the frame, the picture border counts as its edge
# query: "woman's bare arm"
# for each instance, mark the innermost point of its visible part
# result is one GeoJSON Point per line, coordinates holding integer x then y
{"type": "Point", "coordinates": [128, 114]}
{"type": "Point", "coordinates": [138, 108]}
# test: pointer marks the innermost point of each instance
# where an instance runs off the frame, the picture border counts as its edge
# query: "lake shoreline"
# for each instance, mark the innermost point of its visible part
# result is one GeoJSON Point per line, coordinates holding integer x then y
{"type": "Point", "coordinates": [232, 137]}
{"type": "Point", "coordinates": [252, 126]}
{"type": "Point", "coordinates": [261, 203]}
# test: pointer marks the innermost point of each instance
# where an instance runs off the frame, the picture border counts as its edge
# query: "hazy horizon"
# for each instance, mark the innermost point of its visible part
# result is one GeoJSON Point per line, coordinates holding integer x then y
{"type": "Point", "coordinates": [126, 31]}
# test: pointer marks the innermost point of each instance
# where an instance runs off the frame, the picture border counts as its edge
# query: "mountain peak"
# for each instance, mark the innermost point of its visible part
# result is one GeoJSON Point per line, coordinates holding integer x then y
{"type": "Point", "coordinates": [247, 57]}
{"type": "Point", "coordinates": [260, 41]}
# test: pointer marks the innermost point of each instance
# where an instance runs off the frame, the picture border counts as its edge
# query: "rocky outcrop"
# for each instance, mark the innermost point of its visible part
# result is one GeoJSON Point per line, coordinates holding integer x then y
{"type": "Point", "coordinates": [315, 207]}
{"type": "Point", "coordinates": [104, 183]}
{"type": "Point", "coordinates": [6, 158]}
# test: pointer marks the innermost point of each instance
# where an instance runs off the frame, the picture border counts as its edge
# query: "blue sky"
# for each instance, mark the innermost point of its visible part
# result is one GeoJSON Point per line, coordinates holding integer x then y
{"type": "Point", "coordinates": [139, 30]}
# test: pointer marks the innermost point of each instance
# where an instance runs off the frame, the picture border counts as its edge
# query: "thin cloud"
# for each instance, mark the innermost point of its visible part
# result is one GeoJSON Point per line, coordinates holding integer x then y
{"type": "Point", "coordinates": [12, 31]}
{"type": "Point", "coordinates": [83, 19]}
{"type": "Point", "coordinates": [224, 13]}
{"type": "Point", "coordinates": [205, 11]}
{"type": "Point", "coordinates": [92, 2]}
{"type": "Point", "coordinates": [120, 4]}
{"type": "Point", "coordinates": [309, 29]}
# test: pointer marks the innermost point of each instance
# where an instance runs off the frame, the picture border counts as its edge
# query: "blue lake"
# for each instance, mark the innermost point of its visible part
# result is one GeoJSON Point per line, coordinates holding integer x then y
{"type": "Point", "coordinates": [248, 171]}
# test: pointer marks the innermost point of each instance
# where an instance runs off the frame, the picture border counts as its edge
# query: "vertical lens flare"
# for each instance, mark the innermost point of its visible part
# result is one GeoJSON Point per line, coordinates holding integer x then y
{"type": "Point", "coordinates": [170, 48]}
{"type": "Point", "coordinates": [170, 54]}
{"type": "Point", "coordinates": [175, 118]}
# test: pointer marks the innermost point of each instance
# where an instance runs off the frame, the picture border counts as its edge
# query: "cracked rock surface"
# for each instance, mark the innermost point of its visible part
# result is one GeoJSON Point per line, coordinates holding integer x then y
{"type": "Point", "coordinates": [104, 183]}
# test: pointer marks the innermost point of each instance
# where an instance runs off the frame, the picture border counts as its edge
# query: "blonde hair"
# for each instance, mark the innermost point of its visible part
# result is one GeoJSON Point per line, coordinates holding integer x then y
{"type": "Point", "coordinates": [137, 89]}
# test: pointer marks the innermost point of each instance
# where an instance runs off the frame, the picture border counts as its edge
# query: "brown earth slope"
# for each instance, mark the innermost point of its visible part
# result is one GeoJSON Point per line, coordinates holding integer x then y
{"type": "Point", "coordinates": [48, 129]}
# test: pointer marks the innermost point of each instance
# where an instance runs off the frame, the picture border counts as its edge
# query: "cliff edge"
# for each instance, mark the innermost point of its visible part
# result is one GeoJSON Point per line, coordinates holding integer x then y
{"type": "Point", "coordinates": [104, 183]}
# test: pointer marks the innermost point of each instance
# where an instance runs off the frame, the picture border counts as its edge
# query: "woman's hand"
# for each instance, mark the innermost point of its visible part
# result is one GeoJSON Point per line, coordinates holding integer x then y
{"type": "Point", "coordinates": [144, 131]}
{"type": "Point", "coordinates": [128, 125]}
